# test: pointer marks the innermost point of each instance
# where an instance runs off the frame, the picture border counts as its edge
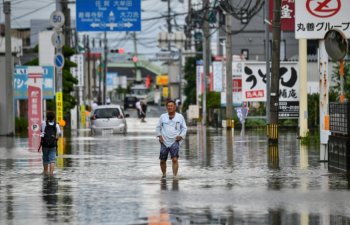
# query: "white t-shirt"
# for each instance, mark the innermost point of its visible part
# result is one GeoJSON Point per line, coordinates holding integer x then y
{"type": "Point", "coordinates": [170, 128]}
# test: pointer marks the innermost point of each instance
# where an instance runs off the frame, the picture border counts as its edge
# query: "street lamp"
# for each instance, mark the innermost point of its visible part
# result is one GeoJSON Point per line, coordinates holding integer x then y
{"type": "Point", "coordinates": [178, 39]}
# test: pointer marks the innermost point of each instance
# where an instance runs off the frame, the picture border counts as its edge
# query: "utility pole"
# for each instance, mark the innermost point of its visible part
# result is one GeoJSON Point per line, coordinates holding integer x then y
{"type": "Point", "coordinates": [206, 59]}
{"type": "Point", "coordinates": [87, 44]}
{"type": "Point", "coordinates": [138, 72]}
{"type": "Point", "coordinates": [229, 113]}
{"type": "Point", "coordinates": [100, 74]}
{"type": "Point", "coordinates": [267, 58]}
{"type": "Point", "coordinates": [94, 70]}
{"type": "Point", "coordinates": [274, 96]}
{"type": "Point", "coordinates": [188, 32]}
{"type": "Point", "coordinates": [105, 67]}
{"type": "Point", "coordinates": [169, 48]}
{"type": "Point", "coordinates": [6, 97]}
{"type": "Point", "coordinates": [67, 27]}
{"type": "Point", "coordinates": [168, 20]}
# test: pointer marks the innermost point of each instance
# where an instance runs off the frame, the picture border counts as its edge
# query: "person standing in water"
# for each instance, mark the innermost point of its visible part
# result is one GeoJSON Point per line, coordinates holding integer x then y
{"type": "Point", "coordinates": [171, 130]}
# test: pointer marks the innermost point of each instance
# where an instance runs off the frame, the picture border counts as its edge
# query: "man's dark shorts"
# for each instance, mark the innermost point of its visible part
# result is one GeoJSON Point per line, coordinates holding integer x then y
{"type": "Point", "coordinates": [173, 149]}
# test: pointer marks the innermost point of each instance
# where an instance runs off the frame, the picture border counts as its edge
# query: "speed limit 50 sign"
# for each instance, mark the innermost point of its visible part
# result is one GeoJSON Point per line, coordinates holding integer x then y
{"type": "Point", "coordinates": [57, 19]}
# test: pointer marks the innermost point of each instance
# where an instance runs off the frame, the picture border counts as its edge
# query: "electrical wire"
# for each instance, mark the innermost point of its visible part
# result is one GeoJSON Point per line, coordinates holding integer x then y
{"type": "Point", "coordinates": [33, 11]}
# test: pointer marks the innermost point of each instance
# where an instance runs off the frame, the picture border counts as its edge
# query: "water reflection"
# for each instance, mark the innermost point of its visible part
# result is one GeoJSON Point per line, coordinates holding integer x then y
{"type": "Point", "coordinates": [50, 197]}
{"type": "Point", "coordinates": [225, 178]}
{"type": "Point", "coordinates": [229, 147]}
{"type": "Point", "coordinates": [273, 156]}
{"type": "Point", "coordinates": [174, 185]}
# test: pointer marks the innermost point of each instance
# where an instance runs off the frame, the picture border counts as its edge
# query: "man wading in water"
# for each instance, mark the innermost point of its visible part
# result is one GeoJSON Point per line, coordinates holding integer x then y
{"type": "Point", "coordinates": [171, 130]}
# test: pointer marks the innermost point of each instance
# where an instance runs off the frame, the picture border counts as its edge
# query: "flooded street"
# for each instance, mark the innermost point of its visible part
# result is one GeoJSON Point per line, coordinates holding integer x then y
{"type": "Point", "coordinates": [224, 178]}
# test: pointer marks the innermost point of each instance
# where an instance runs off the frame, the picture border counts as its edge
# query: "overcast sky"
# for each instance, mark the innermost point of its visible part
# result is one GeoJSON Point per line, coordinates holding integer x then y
{"type": "Point", "coordinates": [25, 10]}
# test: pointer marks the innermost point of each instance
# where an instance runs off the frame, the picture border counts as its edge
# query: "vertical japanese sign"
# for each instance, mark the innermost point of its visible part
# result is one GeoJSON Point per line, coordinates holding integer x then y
{"type": "Point", "coordinates": [199, 81]}
{"type": "Point", "coordinates": [35, 83]}
{"type": "Point", "coordinates": [287, 14]}
{"type": "Point", "coordinates": [78, 71]}
{"type": "Point", "coordinates": [217, 82]}
{"type": "Point", "coordinates": [59, 106]}
{"type": "Point", "coordinates": [82, 115]}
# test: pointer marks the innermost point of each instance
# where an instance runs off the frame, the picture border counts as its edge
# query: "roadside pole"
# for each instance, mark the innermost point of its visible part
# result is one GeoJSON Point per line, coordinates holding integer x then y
{"type": "Point", "coordinates": [57, 20]}
{"type": "Point", "coordinates": [206, 59]}
{"type": "Point", "coordinates": [105, 67]}
{"type": "Point", "coordinates": [272, 127]}
{"type": "Point", "coordinates": [303, 113]}
{"type": "Point", "coordinates": [324, 88]}
{"type": "Point", "coordinates": [229, 110]}
{"type": "Point", "coordinates": [6, 97]}
{"type": "Point", "coordinates": [267, 58]}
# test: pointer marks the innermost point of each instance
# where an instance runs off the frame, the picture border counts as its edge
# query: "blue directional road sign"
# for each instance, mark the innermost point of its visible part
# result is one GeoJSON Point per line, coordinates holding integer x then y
{"type": "Point", "coordinates": [108, 15]}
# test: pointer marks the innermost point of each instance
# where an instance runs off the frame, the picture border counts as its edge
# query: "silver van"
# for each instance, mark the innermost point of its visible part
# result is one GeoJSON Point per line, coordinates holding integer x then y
{"type": "Point", "coordinates": [108, 119]}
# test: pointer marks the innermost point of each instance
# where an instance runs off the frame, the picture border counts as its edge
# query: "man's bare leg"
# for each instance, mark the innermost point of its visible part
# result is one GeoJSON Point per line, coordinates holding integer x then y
{"type": "Point", "coordinates": [175, 166]}
{"type": "Point", "coordinates": [163, 167]}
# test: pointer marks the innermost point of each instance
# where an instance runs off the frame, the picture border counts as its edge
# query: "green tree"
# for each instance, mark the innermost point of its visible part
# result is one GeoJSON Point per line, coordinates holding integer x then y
{"type": "Point", "coordinates": [336, 79]}
{"type": "Point", "coordinates": [190, 77]}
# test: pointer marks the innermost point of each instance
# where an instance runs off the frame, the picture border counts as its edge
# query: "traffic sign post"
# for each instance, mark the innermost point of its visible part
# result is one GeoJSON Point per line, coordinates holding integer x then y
{"type": "Point", "coordinates": [108, 15]}
{"type": "Point", "coordinates": [57, 39]}
{"type": "Point", "coordinates": [59, 61]}
{"type": "Point", "coordinates": [57, 20]}
{"type": "Point", "coordinates": [313, 19]}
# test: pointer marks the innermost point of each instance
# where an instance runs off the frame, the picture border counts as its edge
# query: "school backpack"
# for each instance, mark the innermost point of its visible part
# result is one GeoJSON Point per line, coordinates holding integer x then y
{"type": "Point", "coordinates": [49, 140]}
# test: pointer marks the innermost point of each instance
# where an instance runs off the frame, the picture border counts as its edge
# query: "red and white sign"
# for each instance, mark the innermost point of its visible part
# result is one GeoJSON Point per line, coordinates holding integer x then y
{"type": "Point", "coordinates": [287, 14]}
{"type": "Point", "coordinates": [35, 81]}
{"type": "Point", "coordinates": [254, 82]}
{"type": "Point", "coordinates": [236, 92]}
{"type": "Point", "coordinates": [313, 18]}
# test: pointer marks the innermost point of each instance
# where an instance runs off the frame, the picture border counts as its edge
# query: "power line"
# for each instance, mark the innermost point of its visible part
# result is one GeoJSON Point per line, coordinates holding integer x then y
{"type": "Point", "coordinates": [34, 11]}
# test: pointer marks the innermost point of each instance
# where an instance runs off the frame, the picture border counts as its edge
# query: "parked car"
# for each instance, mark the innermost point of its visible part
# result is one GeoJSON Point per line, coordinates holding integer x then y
{"type": "Point", "coordinates": [130, 102]}
{"type": "Point", "coordinates": [108, 119]}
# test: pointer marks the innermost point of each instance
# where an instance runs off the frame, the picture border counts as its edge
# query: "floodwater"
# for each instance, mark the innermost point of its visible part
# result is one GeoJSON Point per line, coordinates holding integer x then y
{"type": "Point", "coordinates": [224, 178]}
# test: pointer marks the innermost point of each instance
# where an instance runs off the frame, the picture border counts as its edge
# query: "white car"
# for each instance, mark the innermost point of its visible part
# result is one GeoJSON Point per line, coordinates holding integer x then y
{"type": "Point", "coordinates": [108, 119]}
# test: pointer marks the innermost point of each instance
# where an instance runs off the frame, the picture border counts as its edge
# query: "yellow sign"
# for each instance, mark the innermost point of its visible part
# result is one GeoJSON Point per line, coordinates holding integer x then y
{"type": "Point", "coordinates": [59, 106]}
{"type": "Point", "coordinates": [162, 80]}
{"type": "Point", "coordinates": [82, 114]}
{"type": "Point", "coordinates": [61, 147]}
{"type": "Point", "coordinates": [165, 92]}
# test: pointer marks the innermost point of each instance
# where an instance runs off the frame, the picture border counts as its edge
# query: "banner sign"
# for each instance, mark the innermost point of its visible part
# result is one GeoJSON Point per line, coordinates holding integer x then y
{"type": "Point", "coordinates": [199, 82]}
{"type": "Point", "coordinates": [59, 107]}
{"type": "Point", "coordinates": [254, 82]}
{"type": "Point", "coordinates": [78, 71]}
{"type": "Point", "coordinates": [111, 81]}
{"type": "Point", "coordinates": [287, 14]}
{"type": "Point", "coordinates": [20, 82]}
{"type": "Point", "coordinates": [35, 77]}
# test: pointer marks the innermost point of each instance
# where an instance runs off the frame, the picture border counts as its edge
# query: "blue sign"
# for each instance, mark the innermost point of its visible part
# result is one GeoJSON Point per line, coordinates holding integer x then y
{"type": "Point", "coordinates": [21, 86]}
{"type": "Point", "coordinates": [108, 15]}
{"type": "Point", "coordinates": [59, 60]}
{"type": "Point", "coordinates": [111, 81]}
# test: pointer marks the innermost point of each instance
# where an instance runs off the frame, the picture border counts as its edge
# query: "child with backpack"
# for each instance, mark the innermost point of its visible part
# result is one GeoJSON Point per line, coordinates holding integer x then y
{"type": "Point", "coordinates": [50, 131]}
